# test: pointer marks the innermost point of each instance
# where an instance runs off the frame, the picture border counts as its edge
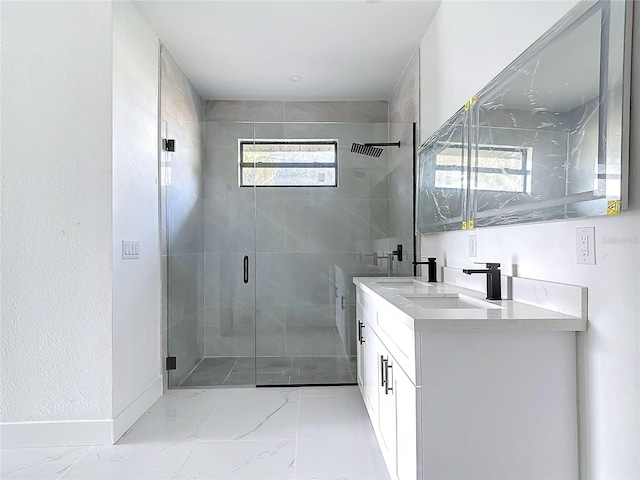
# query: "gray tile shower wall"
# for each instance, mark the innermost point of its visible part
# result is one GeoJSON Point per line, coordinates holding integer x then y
{"type": "Point", "coordinates": [355, 112]}
{"type": "Point", "coordinates": [182, 216]}
{"type": "Point", "coordinates": [290, 111]}
{"type": "Point", "coordinates": [404, 104]}
{"type": "Point", "coordinates": [241, 110]}
{"type": "Point", "coordinates": [300, 236]}
{"type": "Point", "coordinates": [404, 107]}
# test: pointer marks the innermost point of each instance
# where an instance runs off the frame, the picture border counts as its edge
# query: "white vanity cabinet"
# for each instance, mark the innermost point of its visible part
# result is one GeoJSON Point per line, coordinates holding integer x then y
{"type": "Point", "coordinates": [468, 394]}
{"type": "Point", "coordinates": [367, 346]}
{"type": "Point", "coordinates": [390, 396]}
{"type": "Point", "coordinates": [397, 414]}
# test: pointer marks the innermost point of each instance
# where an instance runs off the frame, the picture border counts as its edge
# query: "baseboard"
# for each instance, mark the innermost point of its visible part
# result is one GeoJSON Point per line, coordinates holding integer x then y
{"type": "Point", "coordinates": [132, 412]}
{"type": "Point", "coordinates": [71, 433]}
{"type": "Point", "coordinates": [56, 434]}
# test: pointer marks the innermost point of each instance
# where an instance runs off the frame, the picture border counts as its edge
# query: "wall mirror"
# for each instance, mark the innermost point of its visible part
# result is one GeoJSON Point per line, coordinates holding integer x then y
{"type": "Point", "coordinates": [443, 177]}
{"type": "Point", "coordinates": [548, 136]}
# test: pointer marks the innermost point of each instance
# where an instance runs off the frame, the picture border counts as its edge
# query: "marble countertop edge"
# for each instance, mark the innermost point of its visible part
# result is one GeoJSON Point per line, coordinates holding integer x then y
{"type": "Point", "coordinates": [508, 315]}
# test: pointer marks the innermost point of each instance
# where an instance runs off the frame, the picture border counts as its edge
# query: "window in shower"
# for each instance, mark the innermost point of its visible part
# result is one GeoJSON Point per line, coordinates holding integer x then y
{"type": "Point", "coordinates": [288, 163]}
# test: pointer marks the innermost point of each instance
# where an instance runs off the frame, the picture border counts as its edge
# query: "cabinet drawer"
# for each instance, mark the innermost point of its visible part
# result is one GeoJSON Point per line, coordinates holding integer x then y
{"type": "Point", "coordinates": [400, 340]}
{"type": "Point", "coordinates": [365, 306]}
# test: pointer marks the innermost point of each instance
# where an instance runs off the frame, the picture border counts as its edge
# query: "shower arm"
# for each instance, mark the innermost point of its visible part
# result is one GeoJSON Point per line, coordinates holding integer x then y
{"type": "Point", "coordinates": [392, 144]}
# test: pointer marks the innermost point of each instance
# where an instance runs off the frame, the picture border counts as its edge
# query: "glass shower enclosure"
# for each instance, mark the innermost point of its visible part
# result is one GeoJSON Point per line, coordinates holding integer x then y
{"type": "Point", "coordinates": [289, 216]}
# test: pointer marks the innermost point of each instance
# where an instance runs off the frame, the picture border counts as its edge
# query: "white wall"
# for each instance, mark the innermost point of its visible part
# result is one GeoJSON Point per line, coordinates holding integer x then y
{"type": "Point", "coordinates": [80, 327]}
{"type": "Point", "coordinates": [609, 357]}
{"type": "Point", "coordinates": [470, 42]}
{"type": "Point", "coordinates": [56, 211]}
{"type": "Point", "coordinates": [136, 283]}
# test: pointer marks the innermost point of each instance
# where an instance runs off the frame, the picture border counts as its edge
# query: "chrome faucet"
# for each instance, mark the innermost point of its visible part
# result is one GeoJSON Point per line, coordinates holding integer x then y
{"type": "Point", "coordinates": [493, 280]}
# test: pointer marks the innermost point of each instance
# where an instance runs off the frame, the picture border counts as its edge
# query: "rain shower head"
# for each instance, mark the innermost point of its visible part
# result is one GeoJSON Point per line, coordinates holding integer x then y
{"type": "Point", "coordinates": [371, 149]}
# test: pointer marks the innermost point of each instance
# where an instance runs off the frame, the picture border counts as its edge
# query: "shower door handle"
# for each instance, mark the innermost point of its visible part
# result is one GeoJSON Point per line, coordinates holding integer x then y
{"type": "Point", "coordinates": [246, 269]}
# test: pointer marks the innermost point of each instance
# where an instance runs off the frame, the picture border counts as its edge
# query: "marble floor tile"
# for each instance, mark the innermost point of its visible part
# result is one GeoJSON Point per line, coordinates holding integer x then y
{"type": "Point", "coordinates": [330, 426]}
{"type": "Point", "coordinates": [40, 463]}
{"type": "Point", "coordinates": [225, 433]}
{"type": "Point", "coordinates": [146, 461]}
{"type": "Point", "coordinates": [241, 460]}
{"type": "Point", "coordinates": [177, 417]}
{"type": "Point", "coordinates": [330, 456]}
{"type": "Point", "coordinates": [191, 403]}
{"type": "Point", "coordinates": [324, 391]}
{"type": "Point", "coordinates": [265, 414]}
{"type": "Point", "coordinates": [338, 413]}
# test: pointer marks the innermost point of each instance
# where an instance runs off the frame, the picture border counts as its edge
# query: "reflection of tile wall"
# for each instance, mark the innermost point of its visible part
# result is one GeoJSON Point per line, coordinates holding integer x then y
{"type": "Point", "coordinates": [403, 111]}
{"type": "Point", "coordinates": [300, 233]}
{"type": "Point", "coordinates": [182, 206]}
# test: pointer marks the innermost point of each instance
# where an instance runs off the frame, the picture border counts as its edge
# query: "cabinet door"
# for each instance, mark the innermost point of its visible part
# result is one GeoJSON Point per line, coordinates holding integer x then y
{"type": "Point", "coordinates": [405, 393]}
{"type": "Point", "coordinates": [387, 407]}
{"type": "Point", "coordinates": [372, 374]}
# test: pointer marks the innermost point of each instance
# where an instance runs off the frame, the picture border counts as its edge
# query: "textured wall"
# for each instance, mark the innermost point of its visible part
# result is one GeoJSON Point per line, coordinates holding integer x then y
{"type": "Point", "coordinates": [182, 217]}
{"type": "Point", "coordinates": [56, 211]}
{"type": "Point", "coordinates": [609, 370]}
{"type": "Point", "coordinates": [136, 283]}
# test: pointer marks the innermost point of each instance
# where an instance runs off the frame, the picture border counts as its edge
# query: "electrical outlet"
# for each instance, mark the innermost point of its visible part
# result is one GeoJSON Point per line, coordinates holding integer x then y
{"type": "Point", "coordinates": [586, 246]}
{"type": "Point", "coordinates": [473, 246]}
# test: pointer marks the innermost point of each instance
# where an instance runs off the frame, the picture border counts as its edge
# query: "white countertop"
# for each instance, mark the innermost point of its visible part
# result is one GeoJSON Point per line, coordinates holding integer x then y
{"type": "Point", "coordinates": [508, 315]}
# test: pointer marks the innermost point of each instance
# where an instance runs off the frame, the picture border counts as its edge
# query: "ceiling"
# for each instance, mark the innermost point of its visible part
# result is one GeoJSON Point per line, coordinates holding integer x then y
{"type": "Point", "coordinates": [249, 49]}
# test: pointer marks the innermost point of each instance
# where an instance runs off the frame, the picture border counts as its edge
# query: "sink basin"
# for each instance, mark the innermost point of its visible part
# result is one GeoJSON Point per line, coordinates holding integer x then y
{"type": "Point", "coordinates": [399, 283]}
{"type": "Point", "coordinates": [449, 301]}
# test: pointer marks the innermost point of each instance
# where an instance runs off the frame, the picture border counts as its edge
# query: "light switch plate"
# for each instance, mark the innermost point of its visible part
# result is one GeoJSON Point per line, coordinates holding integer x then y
{"type": "Point", "coordinates": [473, 246]}
{"type": "Point", "coordinates": [130, 249]}
{"type": "Point", "coordinates": [586, 245]}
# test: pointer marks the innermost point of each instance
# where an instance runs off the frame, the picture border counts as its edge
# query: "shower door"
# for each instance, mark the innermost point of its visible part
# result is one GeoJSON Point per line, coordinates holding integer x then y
{"type": "Point", "coordinates": [230, 244]}
{"type": "Point", "coordinates": [210, 258]}
{"type": "Point", "coordinates": [312, 237]}
{"type": "Point", "coordinates": [261, 256]}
